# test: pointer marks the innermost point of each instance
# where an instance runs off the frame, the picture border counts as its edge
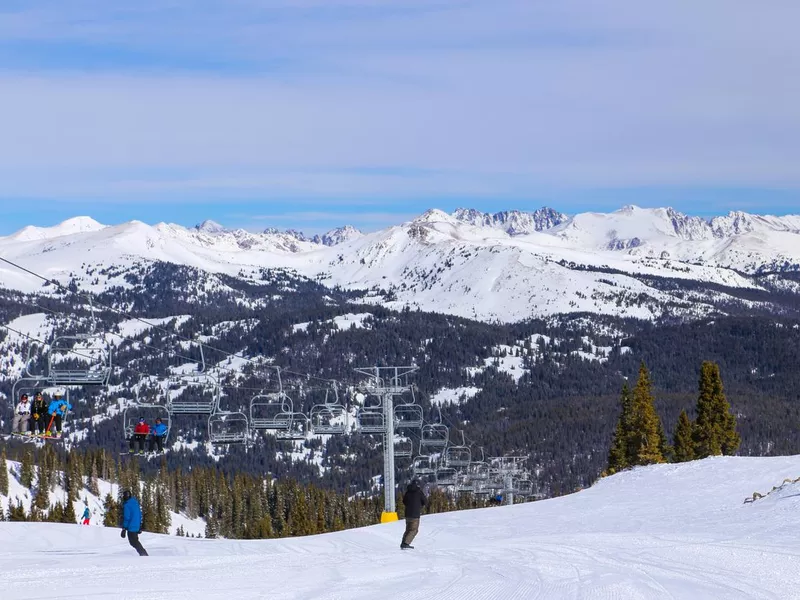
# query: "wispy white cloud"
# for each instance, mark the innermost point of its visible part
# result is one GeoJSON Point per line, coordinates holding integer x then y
{"type": "Point", "coordinates": [501, 98]}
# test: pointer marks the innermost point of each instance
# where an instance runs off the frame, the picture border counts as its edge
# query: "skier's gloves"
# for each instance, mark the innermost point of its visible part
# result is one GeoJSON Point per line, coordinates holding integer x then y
{"type": "Point", "coordinates": [123, 533]}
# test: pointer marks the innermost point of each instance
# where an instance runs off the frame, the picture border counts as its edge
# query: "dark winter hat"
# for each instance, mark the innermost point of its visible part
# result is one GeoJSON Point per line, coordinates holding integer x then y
{"type": "Point", "coordinates": [24, 397]}
{"type": "Point", "coordinates": [141, 420]}
{"type": "Point", "coordinates": [126, 495]}
{"type": "Point", "coordinates": [158, 419]}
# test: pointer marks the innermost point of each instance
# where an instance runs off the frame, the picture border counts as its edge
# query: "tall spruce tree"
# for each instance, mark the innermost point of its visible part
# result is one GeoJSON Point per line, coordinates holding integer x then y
{"type": "Point", "coordinates": [3, 474]}
{"type": "Point", "coordinates": [619, 457]}
{"type": "Point", "coordinates": [646, 431]}
{"type": "Point", "coordinates": [26, 470]}
{"type": "Point", "coordinates": [683, 441]}
{"type": "Point", "coordinates": [715, 427]}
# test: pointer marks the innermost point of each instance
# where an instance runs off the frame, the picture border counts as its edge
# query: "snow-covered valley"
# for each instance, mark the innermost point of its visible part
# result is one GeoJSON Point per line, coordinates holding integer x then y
{"type": "Point", "coordinates": [665, 531]}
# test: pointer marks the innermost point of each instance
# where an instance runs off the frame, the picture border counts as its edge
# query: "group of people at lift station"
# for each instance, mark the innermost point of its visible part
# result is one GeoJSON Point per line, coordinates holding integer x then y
{"type": "Point", "coordinates": [41, 417]}
{"type": "Point", "coordinates": [157, 434]}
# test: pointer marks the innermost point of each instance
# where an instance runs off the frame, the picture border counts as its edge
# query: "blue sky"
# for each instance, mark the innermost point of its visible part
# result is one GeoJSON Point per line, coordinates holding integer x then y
{"type": "Point", "coordinates": [315, 113]}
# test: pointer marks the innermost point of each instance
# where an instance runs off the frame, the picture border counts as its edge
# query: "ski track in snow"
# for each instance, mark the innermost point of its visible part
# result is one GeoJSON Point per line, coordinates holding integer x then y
{"type": "Point", "coordinates": [664, 532]}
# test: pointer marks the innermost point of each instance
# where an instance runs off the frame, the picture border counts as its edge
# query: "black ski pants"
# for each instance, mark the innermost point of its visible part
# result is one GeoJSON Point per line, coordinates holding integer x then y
{"type": "Point", "coordinates": [137, 442]}
{"type": "Point", "coordinates": [40, 423]}
{"type": "Point", "coordinates": [156, 440]}
{"type": "Point", "coordinates": [56, 422]}
{"type": "Point", "coordinates": [133, 540]}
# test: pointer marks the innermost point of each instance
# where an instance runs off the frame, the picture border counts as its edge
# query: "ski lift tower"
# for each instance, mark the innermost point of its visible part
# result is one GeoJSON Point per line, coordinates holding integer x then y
{"type": "Point", "coordinates": [386, 383]}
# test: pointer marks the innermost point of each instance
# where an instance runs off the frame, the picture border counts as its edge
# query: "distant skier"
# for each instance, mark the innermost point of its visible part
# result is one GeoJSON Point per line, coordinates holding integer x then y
{"type": "Point", "coordinates": [140, 433]}
{"type": "Point", "coordinates": [414, 500]}
{"type": "Point", "coordinates": [132, 521]}
{"type": "Point", "coordinates": [58, 410]}
{"type": "Point", "coordinates": [87, 516]}
{"type": "Point", "coordinates": [39, 419]}
{"type": "Point", "coordinates": [157, 435]}
{"type": "Point", "coordinates": [22, 416]}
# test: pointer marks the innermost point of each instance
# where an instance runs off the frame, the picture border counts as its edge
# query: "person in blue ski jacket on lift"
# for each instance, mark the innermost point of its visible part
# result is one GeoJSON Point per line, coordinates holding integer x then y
{"type": "Point", "coordinates": [132, 521]}
{"type": "Point", "coordinates": [158, 434]}
{"type": "Point", "coordinates": [58, 409]}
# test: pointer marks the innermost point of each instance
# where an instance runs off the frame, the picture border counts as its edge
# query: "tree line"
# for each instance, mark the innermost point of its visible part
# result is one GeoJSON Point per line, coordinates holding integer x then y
{"type": "Point", "coordinates": [236, 506]}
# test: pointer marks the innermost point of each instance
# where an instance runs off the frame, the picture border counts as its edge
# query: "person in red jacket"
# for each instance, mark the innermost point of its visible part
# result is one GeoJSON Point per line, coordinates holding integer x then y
{"type": "Point", "coordinates": [140, 433]}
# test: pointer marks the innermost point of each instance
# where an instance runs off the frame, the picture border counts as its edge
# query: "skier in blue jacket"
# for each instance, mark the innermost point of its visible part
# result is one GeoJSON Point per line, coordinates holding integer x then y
{"type": "Point", "coordinates": [58, 409]}
{"type": "Point", "coordinates": [158, 433]}
{"type": "Point", "coordinates": [132, 521]}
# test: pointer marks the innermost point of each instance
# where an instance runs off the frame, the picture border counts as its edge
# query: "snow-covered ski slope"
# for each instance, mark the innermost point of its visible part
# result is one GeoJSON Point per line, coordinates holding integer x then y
{"type": "Point", "coordinates": [669, 531]}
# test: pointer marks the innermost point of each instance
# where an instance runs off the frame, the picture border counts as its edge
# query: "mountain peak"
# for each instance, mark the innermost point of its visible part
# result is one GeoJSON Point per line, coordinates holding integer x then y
{"type": "Point", "coordinates": [209, 226]}
{"type": "Point", "coordinates": [513, 222]}
{"type": "Point", "coordinates": [338, 236]}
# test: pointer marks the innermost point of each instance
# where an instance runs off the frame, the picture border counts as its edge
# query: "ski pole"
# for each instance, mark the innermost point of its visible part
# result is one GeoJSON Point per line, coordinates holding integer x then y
{"type": "Point", "coordinates": [50, 424]}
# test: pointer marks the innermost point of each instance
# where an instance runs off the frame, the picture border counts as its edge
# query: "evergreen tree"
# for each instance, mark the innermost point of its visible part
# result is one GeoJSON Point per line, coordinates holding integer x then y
{"type": "Point", "coordinates": [16, 512]}
{"type": "Point", "coordinates": [646, 434]}
{"type": "Point", "coordinates": [715, 427]}
{"type": "Point", "coordinates": [619, 457]}
{"type": "Point", "coordinates": [112, 516]}
{"type": "Point", "coordinates": [3, 474]}
{"type": "Point", "coordinates": [69, 515]}
{"type": "Point", "coordinates": [26, 470]}
{"type": "Point", "coordinates": [683, 442]}
{"type": "Point", "coordinates": [94, 484]}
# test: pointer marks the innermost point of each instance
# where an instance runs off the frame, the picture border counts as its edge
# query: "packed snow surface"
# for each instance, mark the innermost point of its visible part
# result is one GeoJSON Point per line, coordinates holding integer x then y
{"type": "Point", "coordinates": [668, 531]}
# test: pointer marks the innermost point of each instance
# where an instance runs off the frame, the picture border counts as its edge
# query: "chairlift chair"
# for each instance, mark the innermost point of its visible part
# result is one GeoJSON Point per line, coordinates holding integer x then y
{"type": "Point", "coordinates": [298, 428]}
{"type": "Point", "coordinates": [465, 484]}
{"type": "Point", "coordinates": [29, 386]}
{"type": "Point", "coordinates": [423, 465]}
{"type": "Point", "coordinates": [524, 488]}
{"type": "Point", "coordinates": [433, 435]}
{"type": "Point", "coordinates": [408, 416]}
{"type": "Point", "coordinates": [271, 411]}
{"type": "Point", "coordinates": [458, 456]}
{"type": "Point", "coordinates": [478, 471]}
{"type": "Point", "coordinates": [446, 476]}
{"type": "Point", "coordinates": [370, 421]}
{"type": "Point", "coordinates": [195, 395]}
{"type": "Point", "coordinates": [147, 411]}
{"type": "Point", "coordinates": [330, 417]}
{"type": "Point", "coordinates": [226, 427]}
{"type": "Point", "coordinates": [403, 448]}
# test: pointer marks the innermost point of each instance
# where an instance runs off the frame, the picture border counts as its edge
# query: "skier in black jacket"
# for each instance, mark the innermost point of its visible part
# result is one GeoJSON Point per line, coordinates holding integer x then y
{"type": "Point", "coordinates": [414, 500]}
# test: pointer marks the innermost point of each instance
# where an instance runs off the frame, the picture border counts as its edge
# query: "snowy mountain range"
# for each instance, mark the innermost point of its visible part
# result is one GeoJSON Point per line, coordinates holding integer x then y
{"type": "Point", "coordinates": [506, 266]}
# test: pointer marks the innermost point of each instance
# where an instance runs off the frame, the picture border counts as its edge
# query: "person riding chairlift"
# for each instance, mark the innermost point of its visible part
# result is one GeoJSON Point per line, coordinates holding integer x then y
{"type": "Point", "coordinates": [157, 435]}
{"type": "Point", "coordinates": [140, 433]}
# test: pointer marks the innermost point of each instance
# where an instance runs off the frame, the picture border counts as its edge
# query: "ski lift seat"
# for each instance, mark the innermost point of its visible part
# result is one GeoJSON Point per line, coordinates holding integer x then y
{"type": "Point", "coordinates": [94, 360]}
{"type": "Point", "coordinates": [403, 449]}
{"type": "Point", "coordinates": [330, 419]}
{"type": "Point", "coordinates": [370, 421]}
{"type": "Point", "coordinates": [457, 456]}
{"type": "Point", "coordinates": [271, 411]}
{"type": "Point", "coordinates": [228, 428]}
{"type": "Point", "coordinates": [434, 435]}
{"type": "Point", "coordinates": [423, 465]}
{"type": "Point", "coordinates": [408, 416]}
{"type": "Point", "coordinates": [150, 412]}
{"type": "Point", "coordinates": [446, 476]}
{"type": "Point", "coordinates": [297, 430]}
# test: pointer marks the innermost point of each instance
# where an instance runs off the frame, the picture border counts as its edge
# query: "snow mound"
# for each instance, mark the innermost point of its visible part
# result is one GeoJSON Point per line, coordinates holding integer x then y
{"type": "Point", "coordinates": [666, 531]}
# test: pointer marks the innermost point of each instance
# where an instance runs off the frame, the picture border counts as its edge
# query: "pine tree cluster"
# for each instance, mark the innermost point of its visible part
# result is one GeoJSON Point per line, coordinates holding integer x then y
{"type": "Point", "coordinates": [639, 437]}
{"type": "Point", "coordinates": [237, 506]}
